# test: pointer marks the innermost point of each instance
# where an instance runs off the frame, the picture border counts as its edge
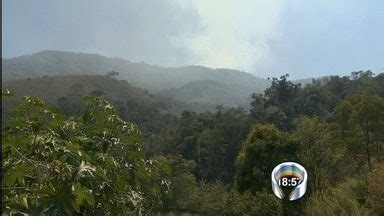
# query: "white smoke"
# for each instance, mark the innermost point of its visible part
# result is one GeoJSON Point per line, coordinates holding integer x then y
{"type": "Point", "coordinates": [236, 33]}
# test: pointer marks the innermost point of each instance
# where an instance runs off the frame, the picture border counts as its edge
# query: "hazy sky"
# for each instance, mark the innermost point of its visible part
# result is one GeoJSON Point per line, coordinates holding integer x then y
{"type": "Point", "coordinates": [264, 37]}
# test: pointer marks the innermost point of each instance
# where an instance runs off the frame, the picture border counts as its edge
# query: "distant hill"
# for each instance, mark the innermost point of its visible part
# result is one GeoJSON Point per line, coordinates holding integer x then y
{"type": "Point", "coordinates": [65, 92]}
{"type": "Point", "coordinates": [210, 92]}
{"type": "Point", "coordinates": [236, 86]}
{"type": "Point", "coordinates": [49, 88]}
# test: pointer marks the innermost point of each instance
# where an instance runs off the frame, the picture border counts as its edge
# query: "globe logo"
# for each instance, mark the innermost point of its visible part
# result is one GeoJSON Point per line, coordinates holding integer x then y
{"type": "Point", "coordinates": [290, 179]}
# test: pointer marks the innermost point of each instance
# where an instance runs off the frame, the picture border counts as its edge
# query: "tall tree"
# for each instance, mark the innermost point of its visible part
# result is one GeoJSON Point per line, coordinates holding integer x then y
{"type": "Point", "coordinates": [260, 153]}
{"type": "Point", "coordinates": [277, 104]}
{"type": "Point", "coordinates": [363, 114]}
{"type": "Point", "coordinates": [321, 150]}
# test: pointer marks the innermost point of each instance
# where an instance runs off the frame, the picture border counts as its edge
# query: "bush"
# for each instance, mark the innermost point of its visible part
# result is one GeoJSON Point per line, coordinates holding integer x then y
{"type": "Point", "coordinates": [375, 189]}
{"type": "Point", "coordinates": [91, 164]}
{"type": "Point", "coordinates": [343, 199]}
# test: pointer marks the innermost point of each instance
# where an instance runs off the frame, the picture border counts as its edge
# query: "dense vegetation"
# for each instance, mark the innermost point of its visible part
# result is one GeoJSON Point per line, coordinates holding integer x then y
{"type": "Point", "coordinates": [209, 163]}
{"type": "Point", "coordinates": [66, 92]}
{"type": "Point", "coordinates": [89, 164]}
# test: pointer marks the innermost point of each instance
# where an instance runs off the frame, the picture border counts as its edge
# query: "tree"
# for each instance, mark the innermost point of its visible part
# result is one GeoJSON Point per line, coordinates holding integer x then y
{"type": "Point", "coordinates": [258, 109]}
{"type": "Point", "coordinates": [375, 189]}
{"type": "Point", "coordinates": [260, 153]}
{"type": "Point", "coordinates": [282, 92]}
{"type": "Point", "coordinates": [183, 187]}
{"type": "Point", "coordinates": [220, 143]}
{"type": "Point", "coordinates": [261, 203]}
{"type": "Point", "coordinates": [277, 105]}
{"type": "Point", "coordinates": [364, 115]}
{"type": "Point", "coordinates": [362, 75]}
{"type": "Point", "coordinates": [361, 82]}
{"type": "Point", "coordinates": [321, 150]}
{"type": "Point", "coordinates": [315, 100]}
{"type": "Point", "coordinates": [343, 199]}
{"type": "Point", "coordinates": [212, 140]}
{"type": "Point", "coordinates": [112, 74]}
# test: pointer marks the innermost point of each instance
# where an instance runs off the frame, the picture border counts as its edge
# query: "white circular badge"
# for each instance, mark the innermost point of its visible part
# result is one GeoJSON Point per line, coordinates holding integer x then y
{"type": "Point", "coordinates": [289, 176]}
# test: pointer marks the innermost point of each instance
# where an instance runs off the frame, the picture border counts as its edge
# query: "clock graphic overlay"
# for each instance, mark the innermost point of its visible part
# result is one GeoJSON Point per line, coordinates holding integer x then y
{"type": "Point", "coordinates": [289, 180]}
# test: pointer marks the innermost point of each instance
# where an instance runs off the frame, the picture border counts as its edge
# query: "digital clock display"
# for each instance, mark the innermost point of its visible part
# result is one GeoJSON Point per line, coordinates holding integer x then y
{"type": "Point", "coordinates": [286, 181]}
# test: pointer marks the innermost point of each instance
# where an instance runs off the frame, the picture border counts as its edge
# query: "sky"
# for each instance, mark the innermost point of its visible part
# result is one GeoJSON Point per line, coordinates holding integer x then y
{"type": "Point", "coordinates": [267, 38]}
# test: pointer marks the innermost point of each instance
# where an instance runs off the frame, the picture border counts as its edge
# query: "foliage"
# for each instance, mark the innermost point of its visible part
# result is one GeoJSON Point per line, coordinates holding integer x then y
{"type": "Point", "coordinates": [321, 150]}
{"type": "Point", "coordinates": [262, 203]}
{"type": "Point", "coordinates": [90, 164]}
{"type": "Point", "coordinates": [211, 140]}
{"type": "Point", "coordinates": [343, 199]}
{"type": "Point", "coordinates": [150, 113]}
{"type": "Point", "coordinates": [375, 189]}
{"type": "Point", "coordinates": [363, 115]}
{"type": "Point", "coordinates": [188, 195]}
{"type": "Point", "coordinates": [260, 153]}
{"type": "Point", "coordinates": [183, 184]}
{"type": "Point", "coordinates": [275, 106]}
{"type": "Point", "coordinates": [216, 163]}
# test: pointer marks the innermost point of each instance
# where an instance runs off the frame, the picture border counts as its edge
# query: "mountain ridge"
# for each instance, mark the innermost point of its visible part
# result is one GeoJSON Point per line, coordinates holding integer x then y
{"type": "Point", "coordinates": [55, 55]}
{"type": "Point", "coordinates": [236, 85]}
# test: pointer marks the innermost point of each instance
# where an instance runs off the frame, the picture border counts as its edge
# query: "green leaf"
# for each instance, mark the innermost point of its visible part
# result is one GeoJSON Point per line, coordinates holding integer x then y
{"type": "Point", "coordinates": [82, 194]}
{"type": "Point", "coordinates": [16, 175]}
{"type": "Point", "coordinates": [101, 174]}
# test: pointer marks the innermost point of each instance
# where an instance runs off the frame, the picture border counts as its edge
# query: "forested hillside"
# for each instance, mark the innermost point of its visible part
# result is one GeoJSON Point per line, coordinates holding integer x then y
{"type": "Point", "coordinates": [333, 127]}
{"type": "Point", "coordinates": [207, 163]}
{"type": "Point", "coordinates": [156, 79]}
{"type": "Point", "coordinates": [66, 92]}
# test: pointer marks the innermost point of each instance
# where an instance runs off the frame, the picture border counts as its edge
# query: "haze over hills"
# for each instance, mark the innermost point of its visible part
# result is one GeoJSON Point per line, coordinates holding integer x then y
{"type": "Point", "coordinates": [67, 91]}
{"type": "Point", "coordinates": [203, 91]}
{"type": "Point", "coordinates": [216, 86]}
{"type": "Point", "coordinates": [151, 77]}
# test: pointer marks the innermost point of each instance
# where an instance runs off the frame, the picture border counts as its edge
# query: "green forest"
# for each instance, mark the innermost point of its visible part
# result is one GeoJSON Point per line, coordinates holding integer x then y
{"type": "Point", "coordinates": [90, 153]}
